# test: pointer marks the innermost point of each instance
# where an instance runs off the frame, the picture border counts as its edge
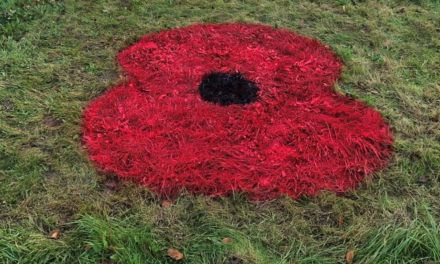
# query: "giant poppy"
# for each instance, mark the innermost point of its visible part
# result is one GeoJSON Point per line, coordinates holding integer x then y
{"type": "Point", "coordinates": [217, 108]}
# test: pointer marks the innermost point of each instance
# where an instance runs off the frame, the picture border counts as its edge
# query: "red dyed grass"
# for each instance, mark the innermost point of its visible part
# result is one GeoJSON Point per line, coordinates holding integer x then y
{"type": "Point", "coordinates": [298, 138]}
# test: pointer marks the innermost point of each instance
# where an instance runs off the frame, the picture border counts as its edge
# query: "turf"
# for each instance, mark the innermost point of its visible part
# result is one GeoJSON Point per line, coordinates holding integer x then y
{"type": "Point", "coordinates": [56, 56]}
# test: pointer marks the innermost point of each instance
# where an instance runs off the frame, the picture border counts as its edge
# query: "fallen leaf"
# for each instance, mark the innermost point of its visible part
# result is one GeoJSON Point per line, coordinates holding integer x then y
{"type": "Point", "coordinates": [349, 256]}
{"type": "Point", "coordinates": [341, 220]}
{"type": "Point", "coordinates": [175, 254]}
{"type": "Point", "coordinates": [55, 234]}
{"type": "Point", "coordinates": [227, 240]}
{"type": "Point", "coordinates": [401, 10]}
{"type": "Point", "coordinates": [166, 204]}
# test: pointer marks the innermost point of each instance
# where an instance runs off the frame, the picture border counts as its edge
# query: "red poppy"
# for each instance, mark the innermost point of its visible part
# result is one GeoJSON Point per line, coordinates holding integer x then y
{"type": "Point", "coordinates": [234, 107]}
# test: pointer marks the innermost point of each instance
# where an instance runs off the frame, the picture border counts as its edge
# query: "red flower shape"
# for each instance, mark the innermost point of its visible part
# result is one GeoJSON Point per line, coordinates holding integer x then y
{"type": "Point", "coordinates": [297, 138]}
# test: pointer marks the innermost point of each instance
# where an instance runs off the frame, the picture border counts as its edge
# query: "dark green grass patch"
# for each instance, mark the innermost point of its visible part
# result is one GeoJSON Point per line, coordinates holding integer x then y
{"type": "Point", "coordinates": [56, 56]}
{"type": "Point", "coordinates": [17, 14]}
{"type": "Point", "coordinates": [416, 242]}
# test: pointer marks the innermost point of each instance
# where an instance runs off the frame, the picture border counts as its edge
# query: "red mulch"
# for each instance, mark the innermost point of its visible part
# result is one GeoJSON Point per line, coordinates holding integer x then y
{"type": "Point", "coordinates": [300, 137]}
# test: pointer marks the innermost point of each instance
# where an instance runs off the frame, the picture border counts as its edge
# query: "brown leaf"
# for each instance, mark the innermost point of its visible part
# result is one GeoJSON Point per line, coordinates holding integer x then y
{"type": "Point", "coordinates": [401, 10]}
{"type": "Point", "coordinates": [349, 256]}
{"type": "Point", "coordinates": [55, 234]}
{"type": "Point", "coordinates": [227, 240]}
{"type": "Point", "coordinates": [175, 254]}
{"type": "Point", "coordinates": [166, 204]}
{"type": "Point", "coordinates": [341, 220]}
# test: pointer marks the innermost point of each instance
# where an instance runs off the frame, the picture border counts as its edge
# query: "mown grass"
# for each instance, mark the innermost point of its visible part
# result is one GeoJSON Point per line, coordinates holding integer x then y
{"type": "Point", "coordinates": [55, 56]}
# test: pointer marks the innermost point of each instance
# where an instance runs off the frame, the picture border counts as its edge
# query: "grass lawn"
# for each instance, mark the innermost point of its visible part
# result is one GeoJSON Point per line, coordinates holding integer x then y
{"type": "Point", "coordinates": [56, 56]}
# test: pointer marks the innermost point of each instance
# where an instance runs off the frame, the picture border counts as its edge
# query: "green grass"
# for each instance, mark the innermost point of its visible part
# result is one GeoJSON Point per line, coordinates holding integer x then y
{"type": "Point", "coordinates": [56, 56]}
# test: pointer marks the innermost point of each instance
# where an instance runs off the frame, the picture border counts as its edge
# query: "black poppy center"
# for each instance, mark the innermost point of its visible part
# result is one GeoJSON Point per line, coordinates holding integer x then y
{"type": "Point", "coordinates": [228, 88]}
